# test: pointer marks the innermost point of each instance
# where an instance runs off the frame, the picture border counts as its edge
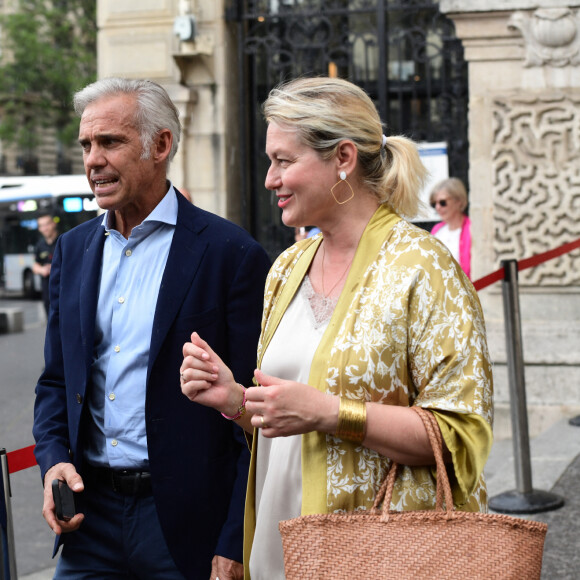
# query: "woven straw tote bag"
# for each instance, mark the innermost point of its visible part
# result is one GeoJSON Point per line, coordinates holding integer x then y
{"type": "Point", "coordinates": [440, 543]}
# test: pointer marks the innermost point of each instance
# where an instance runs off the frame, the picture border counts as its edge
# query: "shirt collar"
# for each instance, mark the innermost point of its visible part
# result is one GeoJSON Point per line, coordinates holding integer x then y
{"type": "Point", "coordinates": [164, 212]}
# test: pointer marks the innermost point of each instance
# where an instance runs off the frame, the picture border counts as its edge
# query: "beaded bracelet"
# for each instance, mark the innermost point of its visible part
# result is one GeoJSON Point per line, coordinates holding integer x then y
{"type": "Point", "coordinates": [352, 419]}
{"type": "Point", "coordinates": [241, 408]}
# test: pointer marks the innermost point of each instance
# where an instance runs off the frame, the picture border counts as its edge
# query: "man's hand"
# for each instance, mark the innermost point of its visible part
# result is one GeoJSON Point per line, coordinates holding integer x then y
{"type": "Point", "coordinates": [206, 379]}
{"type": "Point", "coordinates": [224, 569]}
{"type": "Point", "coordinates": [41, 269]}
{"type": "Point", "coordinates": [68, 473]}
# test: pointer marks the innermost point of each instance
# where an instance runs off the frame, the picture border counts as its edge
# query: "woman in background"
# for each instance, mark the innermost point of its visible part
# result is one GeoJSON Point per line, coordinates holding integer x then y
{"type": "Point", "coordinates": [449, 199]}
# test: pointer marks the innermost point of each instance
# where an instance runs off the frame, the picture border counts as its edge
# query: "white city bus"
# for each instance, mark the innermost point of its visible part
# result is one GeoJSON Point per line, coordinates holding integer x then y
{"type": "Point", "coordinates": [67, 197]}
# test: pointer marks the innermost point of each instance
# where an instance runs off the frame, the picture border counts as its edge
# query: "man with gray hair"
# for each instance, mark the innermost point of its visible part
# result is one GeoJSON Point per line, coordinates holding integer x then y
{"type": "Point", "coordinates": [159, 483]}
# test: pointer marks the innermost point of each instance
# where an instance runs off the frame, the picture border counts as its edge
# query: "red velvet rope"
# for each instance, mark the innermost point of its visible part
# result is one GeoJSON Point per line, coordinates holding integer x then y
{"type": "Point", "coordinates": [489, 279]}
{"type": "Point", "coordinates": [24, 458]}
{"type": "Point", "coordinates": [528, 263]}
{"type": "Point", "coordinates": [21, 459]}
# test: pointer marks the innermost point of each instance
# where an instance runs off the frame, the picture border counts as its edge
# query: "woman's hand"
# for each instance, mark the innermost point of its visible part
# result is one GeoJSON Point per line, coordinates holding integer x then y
{"type": "Point", "coordinates": [207, 380]}
{"type": "Point", "coordinates": [282, 408]}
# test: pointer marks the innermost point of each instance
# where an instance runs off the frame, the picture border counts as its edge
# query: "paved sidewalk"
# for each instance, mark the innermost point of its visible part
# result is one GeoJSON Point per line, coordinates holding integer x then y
{"type": "Point", "coordinates": [555, 458]}
{"type": "Point", "coordinates": [42, 575]}
{"type": "Point", "coordinates": [561, 554]}
{"type": "Point", "coordinates": [551, 453]}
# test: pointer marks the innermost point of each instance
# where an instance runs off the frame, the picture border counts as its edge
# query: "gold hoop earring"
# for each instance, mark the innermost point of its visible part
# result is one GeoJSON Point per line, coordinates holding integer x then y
{"type": "Point", "coordinates": [342, 179]}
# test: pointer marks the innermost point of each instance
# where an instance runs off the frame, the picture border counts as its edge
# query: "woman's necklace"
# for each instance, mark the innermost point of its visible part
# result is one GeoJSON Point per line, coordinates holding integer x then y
{"type": "Point", "coordinates": [341, 276]}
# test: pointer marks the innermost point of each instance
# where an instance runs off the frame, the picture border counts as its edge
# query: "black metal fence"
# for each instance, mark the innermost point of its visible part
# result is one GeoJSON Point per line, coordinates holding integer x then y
{"type": "Point", "coordinates": [403, 53]}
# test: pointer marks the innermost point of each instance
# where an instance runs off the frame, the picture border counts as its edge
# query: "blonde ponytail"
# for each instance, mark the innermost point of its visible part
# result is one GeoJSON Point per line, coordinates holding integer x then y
{"type": "Point", "coordinates": [404, 177]}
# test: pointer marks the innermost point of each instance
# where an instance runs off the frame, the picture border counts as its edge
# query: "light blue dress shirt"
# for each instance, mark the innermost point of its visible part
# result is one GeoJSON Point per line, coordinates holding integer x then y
{"type": "Point", "coordinates": [130, 279]}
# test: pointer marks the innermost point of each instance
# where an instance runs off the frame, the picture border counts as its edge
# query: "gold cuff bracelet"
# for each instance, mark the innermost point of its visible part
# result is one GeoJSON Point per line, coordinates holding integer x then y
{"type": "Point", "coordinates": [352, 420]}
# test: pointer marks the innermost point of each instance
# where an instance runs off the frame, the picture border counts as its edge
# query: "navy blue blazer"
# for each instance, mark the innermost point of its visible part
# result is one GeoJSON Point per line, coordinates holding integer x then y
{"type": "Point", "coordinates": [213, 283]}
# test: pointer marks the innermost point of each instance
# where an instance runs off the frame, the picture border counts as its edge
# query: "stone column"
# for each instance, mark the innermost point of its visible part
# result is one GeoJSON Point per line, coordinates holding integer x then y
{"type": "Point", "coordinates": [524, 182]}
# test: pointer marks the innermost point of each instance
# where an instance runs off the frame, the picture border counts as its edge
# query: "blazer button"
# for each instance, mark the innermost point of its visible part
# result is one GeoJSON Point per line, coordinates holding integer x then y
{"type": "Point", "coordinates": [79, 398]}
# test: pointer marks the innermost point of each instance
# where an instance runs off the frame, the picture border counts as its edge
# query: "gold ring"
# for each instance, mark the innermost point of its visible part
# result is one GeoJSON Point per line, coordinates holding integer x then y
{"type": "Point", "coordinates": [264, 426]}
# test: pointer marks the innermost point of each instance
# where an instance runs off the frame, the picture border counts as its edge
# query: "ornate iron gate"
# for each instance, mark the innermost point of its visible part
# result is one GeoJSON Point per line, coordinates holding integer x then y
{"type": "Point", "coordinates": [404, 53]}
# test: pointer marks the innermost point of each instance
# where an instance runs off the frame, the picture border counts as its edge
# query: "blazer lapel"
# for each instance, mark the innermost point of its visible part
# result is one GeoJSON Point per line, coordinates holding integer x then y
{"type": "Point", "coordinates": [89, 288]}
{"type": "Point", "coordinates": [185, 255]}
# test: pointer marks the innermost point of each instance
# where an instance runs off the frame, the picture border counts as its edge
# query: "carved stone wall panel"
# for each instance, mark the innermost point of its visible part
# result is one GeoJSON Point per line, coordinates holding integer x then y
{"type": "Point", "coordinates": [536, 183]}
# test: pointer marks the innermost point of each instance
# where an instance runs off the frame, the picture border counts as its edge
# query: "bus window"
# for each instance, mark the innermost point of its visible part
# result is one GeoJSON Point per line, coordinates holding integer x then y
{"type": "Point", "coordinates": [68, 198]}
{"type": "Point", "coordinates": [20, 235]}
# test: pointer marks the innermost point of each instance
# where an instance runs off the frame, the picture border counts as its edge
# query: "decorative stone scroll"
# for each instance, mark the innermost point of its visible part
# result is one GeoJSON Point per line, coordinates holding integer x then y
{"type": "Point", "coordinates": [536, 183]}
{"type": "Point", "coordinates": [552, 36]}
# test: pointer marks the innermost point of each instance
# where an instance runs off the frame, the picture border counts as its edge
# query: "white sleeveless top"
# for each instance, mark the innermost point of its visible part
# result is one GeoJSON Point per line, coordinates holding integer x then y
{"type": "Point", "coordinates": [278, 463]}
{"type": "Point", "coordinates": [451, 239]}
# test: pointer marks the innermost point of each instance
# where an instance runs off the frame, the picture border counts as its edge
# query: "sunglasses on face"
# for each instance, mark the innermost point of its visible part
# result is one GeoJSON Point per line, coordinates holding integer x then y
{"type": "Point", "coordinates": [441, 202]}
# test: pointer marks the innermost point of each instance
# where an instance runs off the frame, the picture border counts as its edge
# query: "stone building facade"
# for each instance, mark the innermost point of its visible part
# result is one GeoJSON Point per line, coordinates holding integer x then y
{"type": "Point", "coordinates": [524, 137]}
{"type": "Point", "coordinates": [524, 178]}
{"type": "Point", "coordinates": [138, 39]}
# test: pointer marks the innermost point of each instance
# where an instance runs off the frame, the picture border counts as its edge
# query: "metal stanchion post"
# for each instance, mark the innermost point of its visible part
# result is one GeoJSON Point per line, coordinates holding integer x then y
{"type": "Point", "coordinates": [524, 499]}
{"type": "Point", "coordinates": [9, 522]}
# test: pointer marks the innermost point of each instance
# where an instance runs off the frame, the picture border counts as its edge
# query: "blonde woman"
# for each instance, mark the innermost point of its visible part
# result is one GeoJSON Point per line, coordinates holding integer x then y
{"type": "Point", "coordinates": [361, 322]}
{"type": "Point", "coordinates": [449, 199]}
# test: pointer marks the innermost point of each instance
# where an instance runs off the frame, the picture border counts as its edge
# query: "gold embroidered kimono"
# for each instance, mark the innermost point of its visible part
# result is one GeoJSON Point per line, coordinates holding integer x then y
{"type": "Point", "coordinates": [408, 330]}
